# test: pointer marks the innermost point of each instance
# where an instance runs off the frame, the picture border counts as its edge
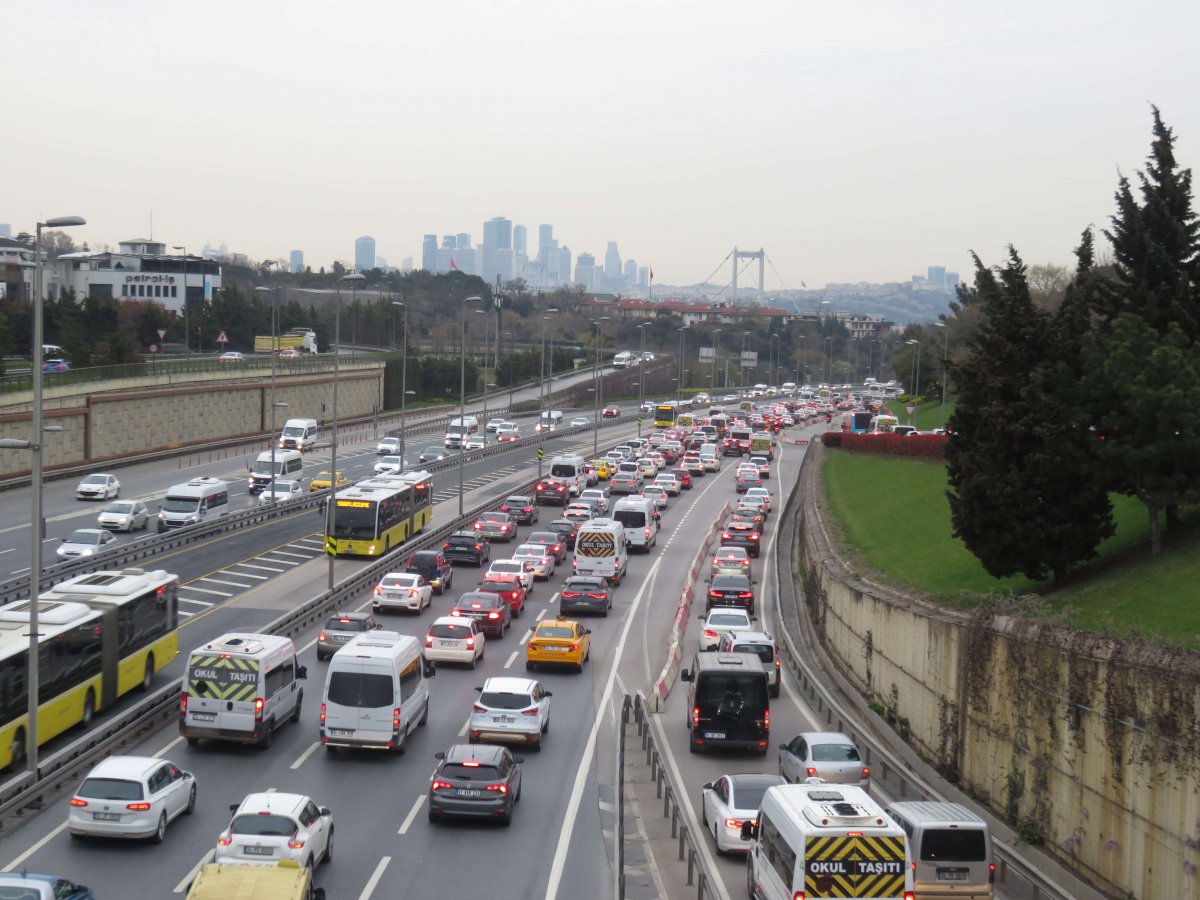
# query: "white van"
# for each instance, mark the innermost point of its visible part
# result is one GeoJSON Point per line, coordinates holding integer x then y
{"type": "Point", "coordinates": [549, 420]}
{"type": "Point", "coordinates": [814, 839]}
{"type": "Point", "coordinates": [375, 692]}
{"type": "Point", "coordinates": [241, 687]}
{"type": "Point", "coordinates": [298, 434]}
{"type": "Point", "coordinates": [570, 470]}
{"type": "Point", "coordinates": [623, 360]}
{"type": "Point", "coordinates": [600, 549]}
{"type": "Point", "coordinates": [949, 848]}
{"type": "Point", "coordinates": [459, 430]}
{"type": "Point", "coordinates": [199, 500]}
{"type": "Point", "coordinates": [288, 464]}
{"type": "Point", "coordinates": [636, 515]}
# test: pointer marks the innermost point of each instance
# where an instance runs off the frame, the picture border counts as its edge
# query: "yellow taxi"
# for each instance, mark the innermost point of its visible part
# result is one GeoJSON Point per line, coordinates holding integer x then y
{"type": "Point", "coordinates": [323, 479]}
{"type": "Point", "coordinates": [603, 468]}
{"type": "Point", "coordinates": [560, 642]}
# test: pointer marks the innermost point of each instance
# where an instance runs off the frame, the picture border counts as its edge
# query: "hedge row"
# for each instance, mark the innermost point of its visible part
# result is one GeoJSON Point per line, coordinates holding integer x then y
{"type": "Point", "coordinates": [932, 446]}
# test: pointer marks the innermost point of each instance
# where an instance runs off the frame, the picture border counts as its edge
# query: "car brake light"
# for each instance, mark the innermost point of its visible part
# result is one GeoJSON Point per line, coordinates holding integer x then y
{"type": "Point", "coordinates": [709, 634]}
{"type": "Point", "coordinates": [323, 637]}
{"type": "Point", "coordinates": [695, 715]}
{"type": "Point", "coordinates": [812, 771]}
{"type": "Point", "coordinates": [530, 712]}
{"type": "Point", "coordinates": [225, 840]}
{"type": "Point", "coordinates": [596, 596]}
{"type": "Point", "coordinates": [258, 709]}
{"type": "Point", "coordinates": [395, 718]}
{"type": "Point", "coordinates": [378, 590]}
{"type": "Point", "coordinates": [322, 713]}
{"type": "Point", "coordinates": [475, 707]}
{"type": "Point", "coordinates": [446, 546]}
{"type": "Point", "coordinates": [745, 595]}
{"type": "Point", "coordinates": [866, 772]}
{"type": "Point", "coordinates": [183, 704]}
{"type": "Point", "coordinates": [502, 788]}
{"type": "Point", "coordinates": [137, 807]}
{"type": "Point", "coordinates": [754, 535]}
{"type": "Point", "coordinates": [440, 785]}
{"type": "Point", "coordinates": [715, 594]}
{"type": "Point", "coordinates": [725, 535]}
{"type": "Point", "coordinates": [647, 532]}
{"type": "Point", "coordinates": [294, 844]}
{"type": "Point", "coordinates": [429, 640]}
{"type": "Point", "coordinates": [75, 801]}
{"type": "Point", "coordinates": [991, 873]}
{"type": "Point", "coordinates": [733, 823]}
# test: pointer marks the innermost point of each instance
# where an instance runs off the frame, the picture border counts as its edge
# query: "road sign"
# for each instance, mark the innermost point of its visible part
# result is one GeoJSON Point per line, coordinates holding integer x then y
{"type": "Point", "coordinates": [162, 333]}
{"type": "Point", "coordinates": [911, 409]}
{"type": "Point", "coordinates": [154, 348]}
{"type": "Point", "coordinates": [541, 453]}
{"type": "Point", "coordinates": [222, 339]}
{"type": "Point", "coordinates": [639, 420]}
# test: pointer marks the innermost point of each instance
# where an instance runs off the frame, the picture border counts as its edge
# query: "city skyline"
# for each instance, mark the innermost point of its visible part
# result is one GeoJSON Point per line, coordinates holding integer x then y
{"type": "Point", "coordinates": [847, 141]}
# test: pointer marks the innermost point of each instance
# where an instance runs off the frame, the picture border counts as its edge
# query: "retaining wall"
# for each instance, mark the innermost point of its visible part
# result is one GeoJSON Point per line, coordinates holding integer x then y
{"type": "Point", "coordinates": [1088, 744]}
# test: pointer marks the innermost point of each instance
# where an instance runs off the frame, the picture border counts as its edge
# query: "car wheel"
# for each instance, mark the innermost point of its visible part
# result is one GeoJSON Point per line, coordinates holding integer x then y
{"type": "Point", "coordinates": [507, 819]}
{"type": "Point", "coordinates": [775, 690]}
{"type": "Point", "coordinates": [191, 807]}
{"type": "Point", "coordinates": [161, 831]}
{"type": "Point", "coordinates": [193, 742]}
{"type": "Point", "coordinates": [474, 661]}
{"type": "Point", "coordinates": [434, 817]}
{"type": "Point", "coordinates": [321, 657]}
{"type": "Point", "coordinates": [530, 665]}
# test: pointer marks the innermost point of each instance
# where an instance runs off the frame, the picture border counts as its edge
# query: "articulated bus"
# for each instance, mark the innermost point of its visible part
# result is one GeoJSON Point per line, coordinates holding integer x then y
{"type": "Point", "coordinates": [666, 414]}
{"type": "Point", "coordinates": [375, 515]}
{"type": "Point", "coordinates": [101, 636]}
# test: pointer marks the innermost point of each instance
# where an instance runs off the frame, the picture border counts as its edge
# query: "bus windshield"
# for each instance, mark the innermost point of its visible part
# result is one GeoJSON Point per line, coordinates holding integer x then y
{"type": "Point", "coordinates": [355, 522]}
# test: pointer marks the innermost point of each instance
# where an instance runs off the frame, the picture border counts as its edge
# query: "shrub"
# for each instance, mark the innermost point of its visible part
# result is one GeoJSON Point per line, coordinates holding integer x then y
{"type": "Point", "coordinates": [930, 446]}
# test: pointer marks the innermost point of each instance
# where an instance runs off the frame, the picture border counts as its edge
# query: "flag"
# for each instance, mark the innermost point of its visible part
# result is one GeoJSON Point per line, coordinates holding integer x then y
{"type": "Point", "coordinates": [452, 265]}
{"type": "Point", "coordinates": [651, 274]}
{"type": "Point", "coordinates": [803, 285]}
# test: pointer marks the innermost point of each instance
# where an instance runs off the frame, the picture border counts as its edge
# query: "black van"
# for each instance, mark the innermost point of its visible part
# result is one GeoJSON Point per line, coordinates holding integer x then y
{"type": "Point", "coordinates": [727, 703]}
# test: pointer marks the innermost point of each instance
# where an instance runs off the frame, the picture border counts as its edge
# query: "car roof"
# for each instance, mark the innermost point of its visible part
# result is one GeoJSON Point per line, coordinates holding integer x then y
{"type": "Point", "coordinates": [825, 737]}
{"type": "Point", "coordinates": [353, 616]}
{"type": "Point", "coordinates": [753, 637]}
{"type": "Point", "coordinates": [287, 804]}
{"type": "Point", "coordinates": [751, 780]}
{"type": "Point", "coordinates": [726, 610]}
{"type": "Point", "coordinates": [509, 685]}
{"type": "Point", "coordinates": [466, 621]}
{"type": "Point", "coordinates": [465, 534]}
{"type": "Point", "coordinates": [481, 597]}
{"type": "Point", "coordinates": [730, 577]}
{"type": "Point", "coordinates": [126, 767]}
{"type": "Point", "coordinates": [589, 579]}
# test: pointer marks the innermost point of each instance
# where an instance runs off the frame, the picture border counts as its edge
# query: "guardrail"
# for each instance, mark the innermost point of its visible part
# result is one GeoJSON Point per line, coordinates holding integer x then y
{"type": "Point", "coordinates": [61, 770]}
{"type": "Point", "coordinates": [672, 808]}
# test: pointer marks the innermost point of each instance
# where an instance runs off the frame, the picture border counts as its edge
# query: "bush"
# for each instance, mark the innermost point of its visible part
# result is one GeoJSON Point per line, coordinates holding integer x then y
{"type": "Point", "coordinates": [930, 446]}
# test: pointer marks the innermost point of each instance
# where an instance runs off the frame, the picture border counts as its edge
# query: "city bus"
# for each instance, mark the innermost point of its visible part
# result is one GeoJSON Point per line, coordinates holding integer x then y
{"type": "Point", "coordinates": [375, 515]}
{"type": "Point", "coordinates": [666, 414]}
{"type": "Point", "coordinates": [101, 636]}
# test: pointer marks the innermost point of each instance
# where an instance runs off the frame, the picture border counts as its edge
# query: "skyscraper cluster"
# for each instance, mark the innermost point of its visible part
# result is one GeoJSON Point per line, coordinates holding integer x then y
{"type": "Point", "coordinates": [505, 253]}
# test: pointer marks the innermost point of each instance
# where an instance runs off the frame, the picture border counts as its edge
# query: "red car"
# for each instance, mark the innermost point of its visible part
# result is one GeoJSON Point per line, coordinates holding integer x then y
{"type": "Point", "coordinates": [611, 412]}
{"type": "Point", "coordinates": [684, 476]}
{"type": "Point", "coordinates": [509, 588]}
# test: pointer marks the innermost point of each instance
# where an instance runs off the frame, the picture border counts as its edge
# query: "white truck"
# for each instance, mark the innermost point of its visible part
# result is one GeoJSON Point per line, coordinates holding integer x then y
{"type": "Point", "coordinates": [459, 430]}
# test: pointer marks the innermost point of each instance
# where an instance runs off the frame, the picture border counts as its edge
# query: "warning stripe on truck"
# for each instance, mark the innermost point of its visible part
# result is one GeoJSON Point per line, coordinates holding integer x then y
{"type": "Point", "coordinates": [854, 866]}
{"type": "Point", "coordinates": [223, 677]}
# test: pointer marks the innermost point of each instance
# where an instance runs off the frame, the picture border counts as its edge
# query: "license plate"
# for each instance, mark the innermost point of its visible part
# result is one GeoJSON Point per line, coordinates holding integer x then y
{"type": "Point", "coordinates": [952, 874]}
{"type": "Point", "coordinates": [503, 719]}
{"type": "Point", "coordinates": [340, 732]}
{"type": "Point", "coordinates": [106, 817]}
{"type": "Point", "coordinates": [341, 637]}
{"type": "Point", "coordinates": [258, 851]}
{"type": "Point", "coordinates": [559, 649]}
{"type": "Point", "coordinates": [468, 792]}
{"type": "Point", "coordinates": [204, 717]}
{"type": "Point", "coordinates": [451, 645]}
{"type": "Point", "coordinates": [715, 735]}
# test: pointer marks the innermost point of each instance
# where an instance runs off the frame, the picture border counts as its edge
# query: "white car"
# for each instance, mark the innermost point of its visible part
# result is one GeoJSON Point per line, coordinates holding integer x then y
{"type": "Point", "coordinates": [598, 498]}
{"type": "Point", "coordinates": [270, 827]}
{"type": "Point", "coordinates": [760, 495]}
{"type": "Point", "coordinates": [131, 797]}
{"type": "Point", "coordinates": [543, 562]}
{"type": "Point", "coordinates": [493, 425]}
{"type": "Point", "coordinates": [721, 620]}
{"type": "Point", "coordinates": [711, 461]}
{"type": "Point", "coordinates": [521, 568]}
{"type": "Point", "coordinates": [455, 639]}
{"type": "Point", "coordinates": [34, 886]}
{"type": "Point", "coordinates": [402, 590]}
{"type": "Point", "coordinates": [669, 483]}
{"type": "Point", "coordinates": [729, 801]}
{"type": "Point", "coordinates": [98, 487]}
{"type": "Point", "coordinates": [283, 490]}
{"type": "Point", "coordinates": [657, 494]}
{"type": "Point", "coordinates": [508, 430]}
{"type": "Point", "coordinates": [388, 445]}
{"type": "Point", "coordinates": [510, 709]}
{"type": "Point", "coordinates": [389, 465]}
{"type": "Point", "coordinates": [85, 542]}
{"type": "Point", "coordinates": [580, 420]}
{"type": "Point", "coordinates": [124, 515]}
{"type": "Point", "coordinates": [476, 442]}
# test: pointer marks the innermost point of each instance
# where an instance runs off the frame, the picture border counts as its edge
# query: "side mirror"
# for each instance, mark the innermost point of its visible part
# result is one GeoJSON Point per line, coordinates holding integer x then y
{"type": "Point", "coordinates": [439, 755]}
{"type": "Point", "coordinates": [479, 689]}
{"type": "Point", "coordinates": [233, 807]}
{"type": "Point", "coordinates": [685, 674]}
{"type": "Point", "coordinates": [318, 894]}
{"type": "Point", "coordinates": [749, 830]}
{"type": "Point", "coordinates": [587, 631]}
{"type": "Point", "coordinates": [302, 671]}
{"type": "Point", "coordinates": [430, 670]}
{"type": "Point", "coordinates": [518, 759]}
{"type": "Point", "coordinates": [548, 693]}
{"type": "Point", "coordinates": [326, 811]}
{"type": "Point", "coordinates": [707, 786]}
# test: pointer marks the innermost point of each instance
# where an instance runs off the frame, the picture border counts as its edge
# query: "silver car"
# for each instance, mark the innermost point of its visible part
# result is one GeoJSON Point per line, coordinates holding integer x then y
{"type": "Point", "coordinates": [283, 490]}
{"type": "Point", "coordinates": [85, 542]}
{"type": "Point", "coordinates": [124, 515]}
{"type": "Point", "coordinates": [510, 709]}
{"type": "Point", "coordinates": [828, 755]}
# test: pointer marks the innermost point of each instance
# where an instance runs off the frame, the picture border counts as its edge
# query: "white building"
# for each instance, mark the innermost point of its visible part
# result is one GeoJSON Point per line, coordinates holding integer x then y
{"type": "Point", "coordinates": [140, 270]}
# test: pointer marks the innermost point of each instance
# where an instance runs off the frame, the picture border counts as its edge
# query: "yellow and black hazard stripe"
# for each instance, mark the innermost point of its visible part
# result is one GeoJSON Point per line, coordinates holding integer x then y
{"type": "Point", "coordinates": [223, 677]}
{"type": "Point", "coordinates": [596, 545]}
{"type": "Point", "coordinates": [854, 866]}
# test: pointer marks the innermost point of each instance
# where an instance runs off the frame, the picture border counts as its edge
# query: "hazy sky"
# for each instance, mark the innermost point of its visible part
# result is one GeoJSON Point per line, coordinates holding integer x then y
{"type": "Point", "coordinates": [851, 140]}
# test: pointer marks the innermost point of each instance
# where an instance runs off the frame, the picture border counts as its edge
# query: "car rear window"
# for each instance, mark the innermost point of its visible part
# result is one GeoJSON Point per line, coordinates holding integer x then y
{"type": "Point", "coordinates": [111, 789]}
{"type": "Point", "coordinates": [765, 652]}
{"type": "Point", "coordinates": [578, 585]}
{"type": "Point", "coordinates": [505, 700]}
{"type": "Point", "coordinates": [954, 845]}
{"type": "Point", "coordinates": [339, 624]}
{"type": "Point", "coordinates": [268, 825]}
{"type": "Point", "coordinates": [460, 772]}
{"type": "Point", "coordinates": [834, 753]}
{"type": "Point", "coordinates": [450, 631]}
{"type": "Point", "coordinates": [556, 631]}
{"type": "Point", "coordinates": [630, 518]}
{"type": "Point", "coordinates": [360, 689]}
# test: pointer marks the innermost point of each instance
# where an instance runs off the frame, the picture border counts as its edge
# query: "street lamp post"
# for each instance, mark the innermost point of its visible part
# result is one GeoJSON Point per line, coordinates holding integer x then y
{"type": "Point", "coordinates": [274, 365]}
{"type": "Point", "coordinates": [354, 278]}
{"type": "Point", "coordinates": [599, 382]}
{"type": "Point", "coordinates": [512, 381]}
{"type": "Point", "coordinates": [185, 309]}
{"type": "Point", "coordinates": [716, 346]}
{"type": "Point", "coordinates": [945, 366]}
{"type": "Point", "coordinates": [916, 381]}
{"type": "Point", "coordinates": [742, 361]}
{"type": "Point", "coordinates": [486, 313]}
{"type": "Point", "coordinates": [35, 446]}
{"type": "Point", "coordinates": [641, 377]}
{"type": "Point", "coordinates": [462, 399]}
{"type": "Point", "coordinates": [682, 331]}
{"type": "Point", "coordinates": [403, 372]}
{"type": "Point", "coordinates": [773, 352]}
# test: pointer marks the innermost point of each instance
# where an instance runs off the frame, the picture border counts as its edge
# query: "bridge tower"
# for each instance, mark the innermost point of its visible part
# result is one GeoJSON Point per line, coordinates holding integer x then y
{"type": "Point", "coordinates": [748, 254]}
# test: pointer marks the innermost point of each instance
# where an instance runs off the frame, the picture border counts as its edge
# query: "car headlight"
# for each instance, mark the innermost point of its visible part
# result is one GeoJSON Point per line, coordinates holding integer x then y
{"type": "Point", "coordinates": [121, 520]}
{"type": "Point", "coordinates": [86, 552]}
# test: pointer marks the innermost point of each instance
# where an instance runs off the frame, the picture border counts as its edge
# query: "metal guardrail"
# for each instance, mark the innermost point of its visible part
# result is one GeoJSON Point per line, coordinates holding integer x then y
{"type": "Point", "coordinates": [672, 808]}
{"type": "Point", "coordinates": [63, 769]}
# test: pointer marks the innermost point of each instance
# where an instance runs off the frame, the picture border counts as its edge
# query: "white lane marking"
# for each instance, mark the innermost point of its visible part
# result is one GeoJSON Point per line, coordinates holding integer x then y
{"type": "Point", "coordinates": [525, 638]}
{"type": "Point", "coordinates": [412, 814]}
{"type": "Point", "coordinates": [35, 848]}
{"type": "Point", "coordinates": [463, 730]}
{"type": "Point", "coordinates": [304, 556]}
{"type": "Point", "coordinates": [187, 614]}
{"type": "Point", "coordinates": [248, 574]}
{"type": "Point", "coordinates": [260, 568]}
{"type": "Point", "coordinates": [163, 751]}
{"type": "Point", "coordinates": [557, 596]}
{"type": "Point", "coordinates": [303, 757]}
{"type": "Point", "coordinates": [373, 881]}
{"type": "Point", "coordinates": [9, 550]}
{"type": "Point", "coordinates": [236, 584]}
{"type": "Point", "coordinates": [197, 602]}
{"type": "Point", "coordinates": [195, 870]}
{"type": "Point", "coordinates": [192, 587]}
{"type": "Point", "coordinates": [511, 659]}
{"type": "Point", "coordinates": [541, 614]}
{"type": "Point", "coordinates": [267, 557]}
{"type": "Point", "coordinates": [585, 762]}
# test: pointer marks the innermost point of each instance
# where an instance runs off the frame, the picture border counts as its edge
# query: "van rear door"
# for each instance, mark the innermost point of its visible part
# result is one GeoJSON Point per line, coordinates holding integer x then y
{"type": "Point", "coordinates": [359, 699]}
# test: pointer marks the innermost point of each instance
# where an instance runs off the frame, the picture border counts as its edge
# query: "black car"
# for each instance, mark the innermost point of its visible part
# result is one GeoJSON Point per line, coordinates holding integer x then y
{"type": "Point", "coordinates": [434, 566]}
{"type": "Point", "coordinates": [729, 589]}
{"type": "Point", "coordinates": [552, 542]}
{"type": "Point", "coordinates": [491, 611]}
{"type": "Point", "coordinates": [566, 529]}
{"type": "Point", "coordinates": [585, 593]}
{"type": "Point", "coordinates": [432, 454]}
{"type": "Point", "coordinates": [467, 547]}
{"type": "Point", "coordinates": [479, 781]}
{"type": "Point", "coordinates": [522, 509]}
{"type": "Point", "coordinates": [741, 534]}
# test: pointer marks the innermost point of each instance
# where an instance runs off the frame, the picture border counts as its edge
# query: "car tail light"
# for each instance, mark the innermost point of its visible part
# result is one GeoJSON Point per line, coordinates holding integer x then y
{"type": "Point", "coordinates": [378, 590]}
{"type": "Point", "coordinates": [456, 612]}
{"type": "Point", "coordinates": [647, 532]}
{"type": "Point", "coordinates": [295, 844]}
{"type": "Point", "coordinates": [715, 594]}
{"type": "Point", "coordinates": [183, 697]}
{"type": "Point", "coordinates": [767, 719]}
{"type": "Point", "coordinates": [725, 535]}
{"type": "Point", "coordinates": [493, 615]}
{"type": "Point", "coordinates": [258, 709]}
{"type": "Point", "coordinates": [709, 634]}
{"type": "Point", "coordinates": [439, 785]}
{"type": "Point", "coordinates": [530, 712]}
{"type": "Point", "coordinates": [533, 646]}
{"type": "Point", "coordinates": [866, 772]}
{"type": "Point", "coordinates": [502, 788]}
{"type": "Point", "coordinates": [733, 823]}
{"type": "Point", "coordinates": [475, 707]}
{"type": "Point", "coordinates": [991, 873]}
{"type": "Point", "coordinates": [695, 715]}
{"type": "Point", "coordinates": [571, 594]}
{"type": "Point", "coordinates": [446, 546]}
{"type": "Point", "coordinates": [526, 509]}
{"type": "Point", "coordinates": [594, 596]}
{"type": "Point", "coordinates": [909, 895]}
{"type": "Point", "coordinates": [478, 525]}
{"type": "Point", "coordinates": [745, 595]}
{"type": "Point", "coordinates": [75, 801]}
{"type": "Point", "coordinates": [323, 637]}
{"type": "Point", "coordinates": [504, 528]}
{"type": "Point", "coordinates": [225, 840]}
{"type": "Point", "coordinates": [322, 713]}
{"type": "Point", "coordinates": [137, 807]}
{"type": "Point", "coordinates": [574, 648]}
{"type": "Point", "coordinates": [471, 643]}
{"type": "Point", "coordinates": [395, 718]}
{"type": "Point", "coordinates": [754, 535]}
{"type": "Point", "coordinates": [429, 640]}
{"type": "Point", "coordinates": [812, 771]}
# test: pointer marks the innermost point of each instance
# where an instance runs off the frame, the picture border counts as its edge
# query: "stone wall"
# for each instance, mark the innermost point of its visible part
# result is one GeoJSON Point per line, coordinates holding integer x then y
{"type": "Point", "coordinates": [1088, 744]}
{"type": "Point", "coordinates": [116, 423]}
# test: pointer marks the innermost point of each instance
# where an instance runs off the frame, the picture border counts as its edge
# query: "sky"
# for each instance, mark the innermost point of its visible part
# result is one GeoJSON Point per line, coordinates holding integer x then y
{"type": "Point", "coordinates": [852, 141]}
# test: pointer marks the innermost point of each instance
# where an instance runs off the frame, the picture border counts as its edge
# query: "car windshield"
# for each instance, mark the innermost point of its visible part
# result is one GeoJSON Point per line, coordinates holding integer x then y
{"type": "Point", "coordinates": [834, 753]}
{"type": "Point", "coordinates": [266, 825]}
{"type": "Point", "coordinates": [111, 789]}
{"type": "Point", "coordinates": [359, 689]}
{"type": "Point", "coordinates": [555, 631]}
{"type": "Point", "coordinates": [84, 537]}
{"type": "Point", "coordinates": [119, 506]}
{"type": "Point", "coordinates": [431, 451]}
{"type": "Point", "coordinates": [96, 479]}
{"type": "Point", "coordinates": [505, 700]}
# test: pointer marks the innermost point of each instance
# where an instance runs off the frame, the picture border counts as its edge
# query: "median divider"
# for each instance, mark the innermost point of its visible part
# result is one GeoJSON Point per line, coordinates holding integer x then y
{"type": "Point", "coordinates": [666, 679]}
